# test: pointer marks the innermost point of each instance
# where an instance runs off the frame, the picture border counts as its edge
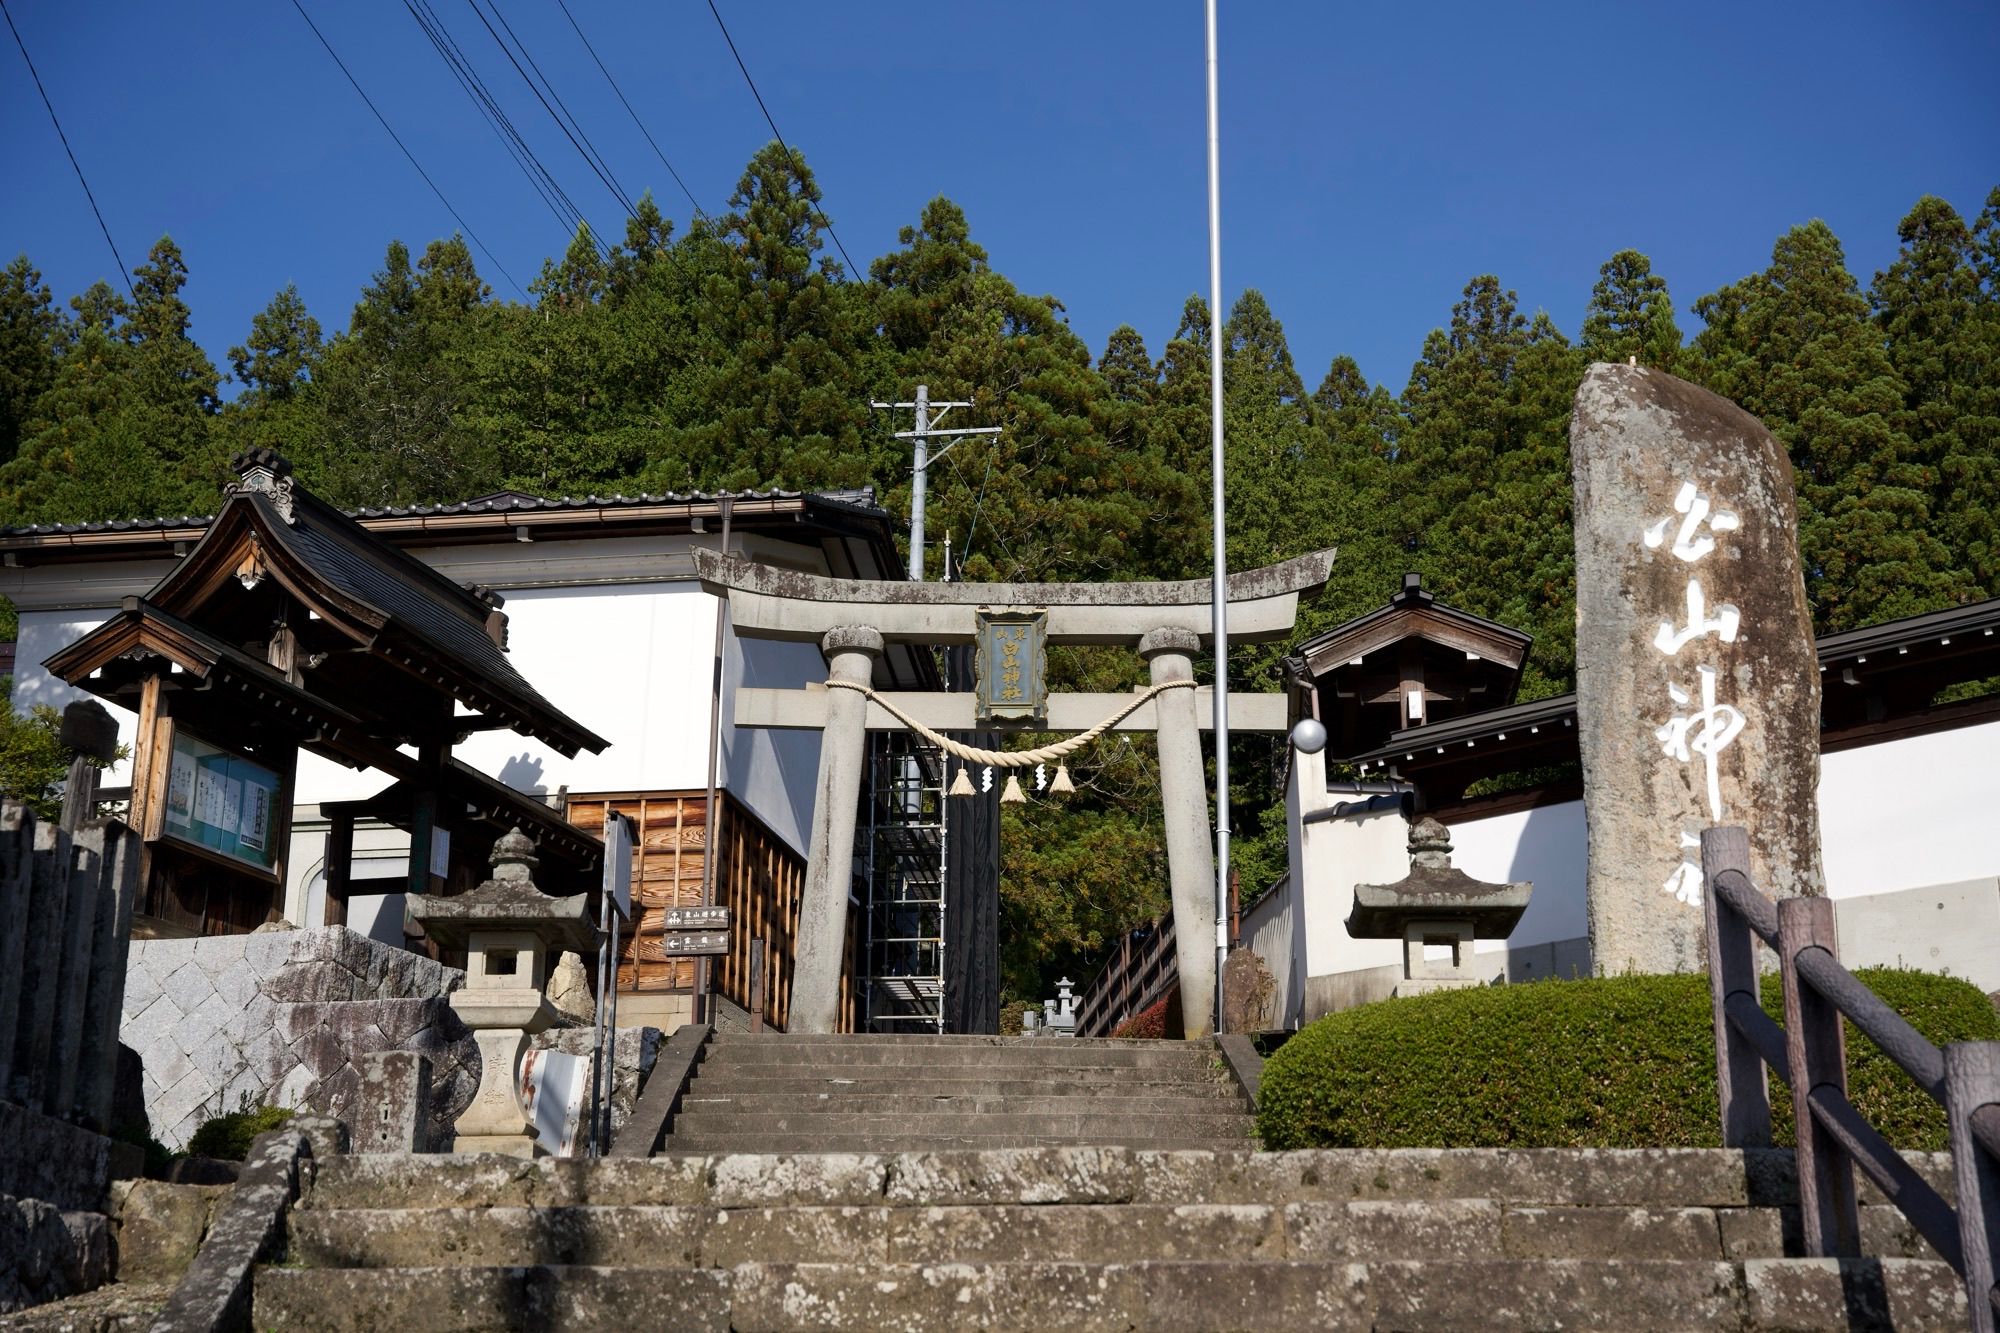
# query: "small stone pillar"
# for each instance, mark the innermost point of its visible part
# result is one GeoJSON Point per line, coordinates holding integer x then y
{"type": "Point", "coordinates": [1436, 904]}
{"type": "Point", "coordinates": [507, 927]}
{"type": "Point", "coordinates": [1184, 802]}
{"type": "Point", "coordinates": [822, 939]}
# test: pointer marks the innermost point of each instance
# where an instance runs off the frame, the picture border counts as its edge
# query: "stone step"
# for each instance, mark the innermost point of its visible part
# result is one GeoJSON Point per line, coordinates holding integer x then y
{"type": "Point", "coordinates": [1070, 1126]}
{"type": "Point", "coordinates": [1164, 1295]}
{"type": "Point", "coordinates": [1570, 1177]}
{"type": "Point", "coordinates": [698, 1099]}
{"type": "Point", "coordinates": [798, 1143]}
{"type": "Point", "coordinates": [668, 1236]}
{"type": "Point", "coordinates": [853, 1040]}
{"type": "Point", "coordinates": [1045, 1081]}
{"type": "Point", "coordinates": [904, 1054]}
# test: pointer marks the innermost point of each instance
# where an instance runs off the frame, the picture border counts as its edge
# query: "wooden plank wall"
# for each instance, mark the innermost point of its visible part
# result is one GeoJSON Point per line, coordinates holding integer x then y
{"type": "Point", "coordinates": [758, 877]}
{"type": "Point", "coordinates": [670, 829]}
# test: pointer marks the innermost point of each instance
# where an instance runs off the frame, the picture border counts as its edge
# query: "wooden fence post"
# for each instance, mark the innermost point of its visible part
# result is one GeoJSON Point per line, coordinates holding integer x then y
{"type": "Point", "coordinates": [1740, 1076]}
{"type": "Point", "coordinates": [756, 1005]}
{"type": "Point", "coordinates": [1816, 1057]}
{"type": "Point", "coordinates": [1972, 1082]}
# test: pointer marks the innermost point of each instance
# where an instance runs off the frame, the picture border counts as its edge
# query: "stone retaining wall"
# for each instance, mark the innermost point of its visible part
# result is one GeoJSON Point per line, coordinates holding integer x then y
{"type": "Point", "coordinates": [235, 1021]}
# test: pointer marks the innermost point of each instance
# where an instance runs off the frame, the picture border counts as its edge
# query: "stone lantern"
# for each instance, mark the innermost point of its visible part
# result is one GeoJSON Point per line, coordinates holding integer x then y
{"type": "Point", "coordinates": [1436, 906]}
{"type": "Point", "coordinates": [507, 928]}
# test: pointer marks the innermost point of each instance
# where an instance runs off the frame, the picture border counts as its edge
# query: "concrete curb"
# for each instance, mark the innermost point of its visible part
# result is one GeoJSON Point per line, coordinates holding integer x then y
{"type": "Point", "coordinates": [672, 1072]}
{"type": "Point", "coordinates": [1244, 1064]}
{"type": "Point", "coordinates": [215, 1292]}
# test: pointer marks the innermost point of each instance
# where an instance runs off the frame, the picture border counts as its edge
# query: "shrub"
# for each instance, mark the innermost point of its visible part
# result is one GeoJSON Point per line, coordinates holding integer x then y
{"type": "Point", "coordinates": [228, 1136]}
{"type": "Point", "coordinates": [1614, 1062]}
{"type": "Point", "coordinates": [1148, 1022]}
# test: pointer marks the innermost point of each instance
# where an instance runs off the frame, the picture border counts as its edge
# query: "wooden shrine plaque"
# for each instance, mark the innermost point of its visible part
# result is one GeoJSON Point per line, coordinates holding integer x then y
{"type": "Point", "coordinates": [695, 918]}
{"type": "Point", "coordinates": [686, 944]}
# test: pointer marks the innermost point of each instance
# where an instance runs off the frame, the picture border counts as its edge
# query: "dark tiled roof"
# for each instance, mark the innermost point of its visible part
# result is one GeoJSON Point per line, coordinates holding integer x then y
{"type": "Point", "coordinates": [1981, 619]}
{"type": "Point", "coordinates": [440, 617]}
{"type": "Point", "coordinates": [859, 500]}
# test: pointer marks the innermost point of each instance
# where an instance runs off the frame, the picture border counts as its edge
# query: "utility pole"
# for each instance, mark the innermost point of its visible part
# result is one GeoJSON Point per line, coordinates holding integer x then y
{"type": "Point", "coordinates": [926, 430]}
{"type": "Point", "coordinates": [1219, 606]}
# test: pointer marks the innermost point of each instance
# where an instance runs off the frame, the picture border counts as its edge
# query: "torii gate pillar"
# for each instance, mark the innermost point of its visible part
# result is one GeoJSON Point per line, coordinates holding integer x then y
{"type": "Point", "coordinates": [852, 620]}
{"type": "Point", "coordinates": [850, 655]}
{"type": "Point", "coordinates": [1184, 803]}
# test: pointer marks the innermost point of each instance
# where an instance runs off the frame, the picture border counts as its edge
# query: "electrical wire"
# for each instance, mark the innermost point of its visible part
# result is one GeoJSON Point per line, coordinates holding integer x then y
{"type": "Point", "coordinates": [544, 183]}
{"type": "Point", "coordinates": [624, 203]}
{"type": "Point", "coordinates": [380, 118]}
{"type": "Point", "coordinates": [692, 201]}
{"type": "Point", "coordinates": [797, 166]}
{"type": "Point", "coordinates": [598, 157]}
{"type": "Point", "coordinates": [74, 165]}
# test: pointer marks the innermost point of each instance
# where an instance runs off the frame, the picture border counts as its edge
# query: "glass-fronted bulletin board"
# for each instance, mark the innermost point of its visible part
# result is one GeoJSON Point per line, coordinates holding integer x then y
{"type": "Point", "coordinates": [222, 803]}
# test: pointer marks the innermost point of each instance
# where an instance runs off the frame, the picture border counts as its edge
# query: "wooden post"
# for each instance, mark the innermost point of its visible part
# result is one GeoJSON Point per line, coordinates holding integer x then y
{"type": "Point", "coordinates": [1972, 1083]}
{"type": "Point", "coordinates": [1816, 1057]}
{"type": "Point", "coordinates": [79, 793]}
{"type": "Point", "coordinates": [756, 1005]}
{"type": "Point", "coordinates": [338, 867]}
{"type": "Point", "coordinates": [431, 756]}
{"type": "Point", "coordinates": [1740, 1076]}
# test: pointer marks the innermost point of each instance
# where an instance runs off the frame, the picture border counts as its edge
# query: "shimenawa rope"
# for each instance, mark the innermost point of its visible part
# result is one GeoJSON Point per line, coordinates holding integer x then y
{"type": "Point", "coordinates": [1047, 754]}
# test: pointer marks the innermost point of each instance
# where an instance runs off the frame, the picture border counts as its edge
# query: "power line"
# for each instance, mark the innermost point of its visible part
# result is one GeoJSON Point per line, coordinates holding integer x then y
{"type": "Point", "coordinates": [692, 201]}
{"type": "Point", "coordinates": [567, 214]}
{"type": "Point", "coordinates": [74, 165]}
{"type": "Point", "coordinates": [599, 159]}
{"type": "Point", "coordinates": [797, 166]}
{"type": "Point", "coordinates": [624, 204]}
{"type": "Point", "coordinates": [588, 150]}
{"type": "Point", "coordinates": [380, 118]}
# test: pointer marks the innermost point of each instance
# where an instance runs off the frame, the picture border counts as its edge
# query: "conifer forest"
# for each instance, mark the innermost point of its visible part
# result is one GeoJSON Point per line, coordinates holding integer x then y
{"type": "Point", "coordinates": [733, 352]}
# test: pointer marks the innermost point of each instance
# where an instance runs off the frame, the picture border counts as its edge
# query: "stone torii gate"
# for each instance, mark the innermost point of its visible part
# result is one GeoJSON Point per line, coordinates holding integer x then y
{"type": "Point", "coordinates": [853, 620]}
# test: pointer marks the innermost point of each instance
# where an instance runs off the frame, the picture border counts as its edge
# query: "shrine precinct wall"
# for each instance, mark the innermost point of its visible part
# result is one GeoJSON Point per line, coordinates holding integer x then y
{"type": "Point", "coordinates": [1915, 879]}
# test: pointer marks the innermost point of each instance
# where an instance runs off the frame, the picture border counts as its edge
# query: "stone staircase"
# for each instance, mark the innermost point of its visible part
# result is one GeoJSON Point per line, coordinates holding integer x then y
{"type": "Point", "coordinates": [1086, 1238]}
{"type": "Point", "coordinates": [781, 1094]}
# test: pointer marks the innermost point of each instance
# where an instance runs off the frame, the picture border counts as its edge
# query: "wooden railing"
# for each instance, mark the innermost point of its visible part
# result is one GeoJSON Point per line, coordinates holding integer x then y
{"type": "Point", "coordinates": [1810, 1052]}
{"type": "Point", "coordinates": [1140, 970]}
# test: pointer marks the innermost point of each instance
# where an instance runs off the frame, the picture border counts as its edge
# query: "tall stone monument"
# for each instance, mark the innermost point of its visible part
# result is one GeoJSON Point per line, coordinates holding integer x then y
{"type": "Point", "coordinates": [1697, 680]}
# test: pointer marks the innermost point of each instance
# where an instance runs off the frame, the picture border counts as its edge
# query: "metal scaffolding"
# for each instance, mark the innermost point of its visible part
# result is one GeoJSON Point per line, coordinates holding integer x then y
{"type": "Point", "coordinates": [902, 831]}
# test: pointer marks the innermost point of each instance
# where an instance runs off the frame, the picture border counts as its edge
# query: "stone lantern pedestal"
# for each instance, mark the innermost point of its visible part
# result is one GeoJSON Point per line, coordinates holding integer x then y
{"type": "Point", "coordinates": [507, 928]}
{"type": "Point", "coordinates": [1435, 906]}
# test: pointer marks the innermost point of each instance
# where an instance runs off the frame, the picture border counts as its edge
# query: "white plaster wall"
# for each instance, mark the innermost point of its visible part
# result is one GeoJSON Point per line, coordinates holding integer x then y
{"type": "Point", "coordinates": [1362, 848]}
{"type": "Point", "coordinates": [773, 772]}
{"type": "Point", "coordinates": [1544, 846]}
{"type": "Point", "coordinates": [631, 662]}
{"type": "Point", "coordinates": [1267, 932]}
{"type": "Point", "coordinates": [1904, 825]}
{"type": "Point", "coordinates": [1911, 813]}
{"type": "Point", "coordinates": [1906, 814]}
{"type": "Point", "coordinates": [42, 634]}
{"type": "Point", "coordinates": [1326, 858]}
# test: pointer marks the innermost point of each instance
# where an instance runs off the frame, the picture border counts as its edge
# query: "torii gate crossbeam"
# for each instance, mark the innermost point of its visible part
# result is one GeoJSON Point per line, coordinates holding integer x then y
{"type": "Point", "coordinates": [853, 620]}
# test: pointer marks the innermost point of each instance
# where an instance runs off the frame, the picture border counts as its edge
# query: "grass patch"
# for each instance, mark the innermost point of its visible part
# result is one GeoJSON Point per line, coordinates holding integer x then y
{"type": "Point", "coordinates": [228, 1137]}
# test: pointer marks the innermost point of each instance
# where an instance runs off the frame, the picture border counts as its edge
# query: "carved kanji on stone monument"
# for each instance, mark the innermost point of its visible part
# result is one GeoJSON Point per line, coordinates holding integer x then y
{"type": "Point", "coordinates": [1697, 679]}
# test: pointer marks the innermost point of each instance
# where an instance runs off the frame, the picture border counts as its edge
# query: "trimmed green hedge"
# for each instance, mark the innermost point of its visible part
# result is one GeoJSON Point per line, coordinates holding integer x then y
{"type": "Point", "coordinates": [1615, 1062]}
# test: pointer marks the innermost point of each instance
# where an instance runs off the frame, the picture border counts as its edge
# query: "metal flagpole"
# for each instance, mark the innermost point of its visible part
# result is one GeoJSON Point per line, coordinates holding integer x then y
{"type": "Point", "coordinates": [1220, 595]}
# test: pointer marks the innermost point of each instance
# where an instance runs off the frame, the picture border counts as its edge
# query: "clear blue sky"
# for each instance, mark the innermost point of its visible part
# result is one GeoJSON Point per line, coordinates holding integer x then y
{"type": "Point", "coordinates": [1375, 156]}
